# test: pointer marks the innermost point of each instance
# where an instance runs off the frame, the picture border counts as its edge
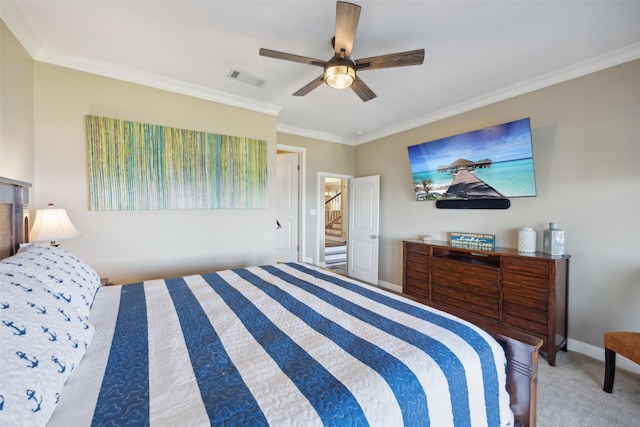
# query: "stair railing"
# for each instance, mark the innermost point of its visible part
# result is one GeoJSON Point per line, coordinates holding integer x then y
{"type": "Point", "coordinates": [332, 210]}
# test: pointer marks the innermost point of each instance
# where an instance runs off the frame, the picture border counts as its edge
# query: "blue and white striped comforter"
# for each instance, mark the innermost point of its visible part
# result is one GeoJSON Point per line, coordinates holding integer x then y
{"type": "Point", "coordinates": [280, 345]}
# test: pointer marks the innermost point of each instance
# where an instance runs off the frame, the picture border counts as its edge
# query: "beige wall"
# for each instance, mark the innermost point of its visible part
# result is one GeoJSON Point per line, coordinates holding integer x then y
{"type": "Point", "coordinates": [134, 245]}
{"type": "Point", "coordinates": [325, 157]}
{"type": "Point", "coordinates": [16, 109]}
{"type": "Point", "coordinates": [586, 150]}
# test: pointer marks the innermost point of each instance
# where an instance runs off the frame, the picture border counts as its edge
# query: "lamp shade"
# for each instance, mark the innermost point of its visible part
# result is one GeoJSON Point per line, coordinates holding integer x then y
{"type": "Point", "coordinates": [51, 225]}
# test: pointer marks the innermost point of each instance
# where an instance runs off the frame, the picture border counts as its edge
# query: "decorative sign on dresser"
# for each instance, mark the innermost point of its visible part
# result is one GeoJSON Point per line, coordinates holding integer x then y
{"type": "Point", "coordinates": [527, 292]}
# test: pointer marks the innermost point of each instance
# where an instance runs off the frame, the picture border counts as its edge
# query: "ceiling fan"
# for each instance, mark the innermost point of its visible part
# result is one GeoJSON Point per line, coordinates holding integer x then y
{"type": "Point", "coordinates": [340, 71]}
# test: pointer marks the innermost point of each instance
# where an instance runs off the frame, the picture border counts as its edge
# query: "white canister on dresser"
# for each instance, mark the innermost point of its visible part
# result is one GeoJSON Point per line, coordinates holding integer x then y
{"type": "Point", "coordinates": [526, 240]}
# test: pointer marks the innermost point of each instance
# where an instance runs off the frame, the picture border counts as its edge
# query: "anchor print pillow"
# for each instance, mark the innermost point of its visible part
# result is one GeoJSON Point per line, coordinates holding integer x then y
{"type": "Point", "coordinates": [69, 276]}
{"type": "Point", "coordinates": [43, 340]}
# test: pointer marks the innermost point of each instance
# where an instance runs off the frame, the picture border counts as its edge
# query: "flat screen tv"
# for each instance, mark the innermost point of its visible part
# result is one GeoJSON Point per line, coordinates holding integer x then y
{"type": "Point", "coordinates": [490, 163]}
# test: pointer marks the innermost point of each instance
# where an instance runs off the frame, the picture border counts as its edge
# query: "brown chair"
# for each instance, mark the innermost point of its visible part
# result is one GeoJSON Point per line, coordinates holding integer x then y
{"type": "Point", "coordinates": [626, 344]}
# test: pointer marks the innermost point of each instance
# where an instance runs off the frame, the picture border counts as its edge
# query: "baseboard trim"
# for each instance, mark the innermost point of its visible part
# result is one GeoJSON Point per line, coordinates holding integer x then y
{"type": "Point", "coordinates": [390, 286]}
{"type": "Point", "coordinates": [598, 353]}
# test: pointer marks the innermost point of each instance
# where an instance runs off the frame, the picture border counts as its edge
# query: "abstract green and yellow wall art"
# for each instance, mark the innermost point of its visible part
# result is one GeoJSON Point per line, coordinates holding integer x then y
{"type": "Point", "coordinates": [141, 166]}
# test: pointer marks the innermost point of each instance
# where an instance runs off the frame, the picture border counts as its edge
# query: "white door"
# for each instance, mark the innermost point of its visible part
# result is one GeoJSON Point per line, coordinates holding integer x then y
{"type": "Point", "coordinates": [287, 207]}
{"type": "Point", "coordinates": [363, 247]}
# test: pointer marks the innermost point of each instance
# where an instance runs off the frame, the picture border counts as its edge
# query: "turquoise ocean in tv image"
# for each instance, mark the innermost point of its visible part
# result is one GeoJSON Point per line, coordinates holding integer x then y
{"type": "Point", "coordinates": [513, 178]}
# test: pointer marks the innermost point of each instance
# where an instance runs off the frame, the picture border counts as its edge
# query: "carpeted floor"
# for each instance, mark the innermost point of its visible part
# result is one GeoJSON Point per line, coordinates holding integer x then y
{"type": "Point", "coordinates": [570, 394]}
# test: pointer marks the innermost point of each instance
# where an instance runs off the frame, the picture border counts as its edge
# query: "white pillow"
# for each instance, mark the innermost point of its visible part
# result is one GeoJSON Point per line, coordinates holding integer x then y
{"type": "Point", "coordinates": [71, 278]}
{"type": "Point", "coordinates": [43, 340]}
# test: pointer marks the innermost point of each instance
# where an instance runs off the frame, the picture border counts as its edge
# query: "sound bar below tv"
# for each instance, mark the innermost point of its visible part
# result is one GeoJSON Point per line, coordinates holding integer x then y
{"type": "Point", "coordinates": [473, 203]}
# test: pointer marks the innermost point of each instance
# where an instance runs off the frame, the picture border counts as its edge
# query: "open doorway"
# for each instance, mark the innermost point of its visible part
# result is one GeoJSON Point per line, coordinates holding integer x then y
{"type": "Point", "coordinates": [334, 221]}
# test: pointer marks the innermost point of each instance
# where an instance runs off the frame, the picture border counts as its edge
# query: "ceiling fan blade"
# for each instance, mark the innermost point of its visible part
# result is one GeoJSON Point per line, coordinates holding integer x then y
{"type": "Point", "coordinates": [347, 16]}
{"type": "Point", "coordinates": [291, 57]}
{"type": "Point", "coordinates": [412, 57]}
{"type": "Point", "coordinates": [309, 87]}
{"type": "Point", "coordinates": [362, 90]}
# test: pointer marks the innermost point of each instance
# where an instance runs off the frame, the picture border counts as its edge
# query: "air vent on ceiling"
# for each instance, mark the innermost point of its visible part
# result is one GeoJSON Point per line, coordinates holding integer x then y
{"type": "Point", "coordinates": [247, 78]}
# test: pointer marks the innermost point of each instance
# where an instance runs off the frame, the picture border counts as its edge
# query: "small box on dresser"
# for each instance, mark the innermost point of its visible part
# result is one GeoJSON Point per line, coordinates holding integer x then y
{"type": "Point", "coordinates": [527, 292]}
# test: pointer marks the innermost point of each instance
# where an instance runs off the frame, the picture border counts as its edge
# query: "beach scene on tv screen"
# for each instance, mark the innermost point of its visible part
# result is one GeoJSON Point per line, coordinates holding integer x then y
{"type": "Point", "coordinates": [494, 162]}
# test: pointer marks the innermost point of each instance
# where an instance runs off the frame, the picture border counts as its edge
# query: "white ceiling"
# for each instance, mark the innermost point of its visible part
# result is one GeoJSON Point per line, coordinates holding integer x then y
{"type": "Point", "coordinates": [477, 52]}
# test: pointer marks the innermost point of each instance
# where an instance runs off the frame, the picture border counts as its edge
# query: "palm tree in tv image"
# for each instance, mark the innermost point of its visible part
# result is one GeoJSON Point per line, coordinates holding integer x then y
{"type": "Point", "coordinates": [427, 184]}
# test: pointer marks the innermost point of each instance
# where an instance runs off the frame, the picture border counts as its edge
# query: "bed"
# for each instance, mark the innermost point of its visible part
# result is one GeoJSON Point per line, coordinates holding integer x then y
{"type": "Point", "coordinates": [283, 344]}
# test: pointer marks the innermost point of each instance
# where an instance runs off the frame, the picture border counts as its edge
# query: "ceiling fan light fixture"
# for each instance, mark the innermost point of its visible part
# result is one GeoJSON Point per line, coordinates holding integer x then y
{"type": "Point", "coordinates": [339, 76]}
{"type": "Point", "coordinates": [340, 71]}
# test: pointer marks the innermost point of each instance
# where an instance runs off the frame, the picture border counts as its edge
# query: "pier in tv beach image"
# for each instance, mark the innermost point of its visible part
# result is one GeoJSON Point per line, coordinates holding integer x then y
{"type": "Point", "coordinates": [467, 186]}
{"type": "Point", "coordinates": [494, 162]}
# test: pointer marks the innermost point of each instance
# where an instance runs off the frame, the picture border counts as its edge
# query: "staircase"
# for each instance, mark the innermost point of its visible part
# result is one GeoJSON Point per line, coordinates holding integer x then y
{"type": "Point", "coordinates": [333, 224]}
{"type": "Point", "coordinates": [335, 250]}
{"type": "Point", "coordinates": [333, 217]}
{"type": "Point", "coordinates": [335, 254]}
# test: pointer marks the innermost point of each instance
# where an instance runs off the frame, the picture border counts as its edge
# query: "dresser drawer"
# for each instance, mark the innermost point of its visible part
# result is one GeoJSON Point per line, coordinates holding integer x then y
{"type": "Point", "coordinates": [526, 296]}
{"type": "Point", "coordinates": [467, 275]}
{"type": "Point", "coordinates": [416, 290]}
{"type": "Point", "coordinates": [533, 328]}
{"type": "Point", "coordinates": [474, 289]}
{"type": "Point", "coordinates": [460, 299]}
{"type": "Point", "coordinates": [417, 248]}
{"type": "Point", "coordinates": [526, 266]}
{"type": "Point", "coordinates": [523, 280]}
{"type": "Point", "coordinates": [418, 281]}
{"type": "Point", "coordinates": [417, 263]}
{"type": "Point", "coordinates": [524, 312]}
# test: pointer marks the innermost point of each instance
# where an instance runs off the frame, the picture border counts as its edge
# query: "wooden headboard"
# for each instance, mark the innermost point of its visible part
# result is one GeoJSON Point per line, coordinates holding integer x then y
{"type": "Point", "coordinates": [14, 215]}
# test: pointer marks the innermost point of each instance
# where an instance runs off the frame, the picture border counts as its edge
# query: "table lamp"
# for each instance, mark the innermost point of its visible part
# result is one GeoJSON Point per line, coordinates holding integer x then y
{"type": "Point", "coordinates": [51, 225]}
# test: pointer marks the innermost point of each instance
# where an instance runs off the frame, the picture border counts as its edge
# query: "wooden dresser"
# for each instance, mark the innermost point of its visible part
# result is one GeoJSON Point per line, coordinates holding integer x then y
{"type": "Point", "coordinates": [527, 292]}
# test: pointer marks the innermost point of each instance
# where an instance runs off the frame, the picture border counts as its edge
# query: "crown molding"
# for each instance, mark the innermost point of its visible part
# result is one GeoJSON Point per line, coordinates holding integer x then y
{"type": "Point", "coordinates": [293, 130]}
{"type": "Point", "coordinates": [158, 82]}
{"type": "Point", "coordinates": [610, 59]}
{"type": "Point", "coordinates": [15, 21]}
